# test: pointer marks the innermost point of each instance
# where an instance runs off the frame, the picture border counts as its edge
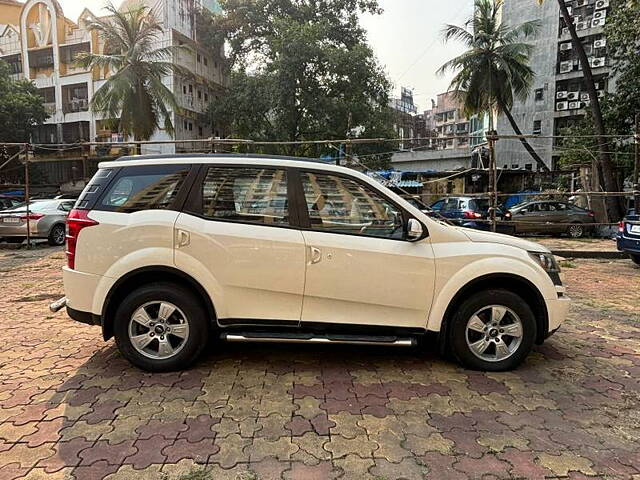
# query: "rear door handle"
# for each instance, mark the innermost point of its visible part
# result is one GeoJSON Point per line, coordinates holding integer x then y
{"type": "Point", "coordinates": [183, 238]}
{"type": "Point", "coordinates": [315, 255]}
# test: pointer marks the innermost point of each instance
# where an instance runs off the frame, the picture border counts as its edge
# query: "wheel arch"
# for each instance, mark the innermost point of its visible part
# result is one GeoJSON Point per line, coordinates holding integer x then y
{"type": "Point", "coordinates": [505, 281]}
{"type": "Point", "coordinates": [149, 274]}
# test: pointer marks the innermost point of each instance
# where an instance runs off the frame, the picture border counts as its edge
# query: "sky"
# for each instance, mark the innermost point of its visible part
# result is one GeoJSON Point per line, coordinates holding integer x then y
{"type": "Point", "coordinates": [406, 39]}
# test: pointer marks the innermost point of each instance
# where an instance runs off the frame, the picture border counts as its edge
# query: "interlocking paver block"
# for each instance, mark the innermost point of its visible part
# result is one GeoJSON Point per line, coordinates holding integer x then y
{"type": "Point", "coordinates": [565, 462]}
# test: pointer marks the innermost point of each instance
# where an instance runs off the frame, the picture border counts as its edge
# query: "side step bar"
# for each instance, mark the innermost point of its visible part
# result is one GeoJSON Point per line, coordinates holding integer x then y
{"type": "Point", "coordinates": [327, 339]}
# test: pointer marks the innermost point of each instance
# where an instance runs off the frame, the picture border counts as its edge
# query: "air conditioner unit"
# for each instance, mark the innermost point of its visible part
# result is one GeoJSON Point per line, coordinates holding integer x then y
{"type": "Point", "coordinates": [574, 105]}
{"type": "Point", "coordinates": [561, 94]}
{"type": "Point", "coordinates": [581, 26]}
{"type": "Point", "coordinates": [599, 14]}
{"type": "Point", "coordinates": [600, 43]}
{"type": "Point", "coordinates": [598, 22]}
{"type": "Point", "coordinates": [599, 62]}
{"type": "Point", "coordinates": [562, 105]}
{"type": "Point", "coordinates": [577, 19]}
{"type": "Point", "coordinates": [573, 96]}
{"type": "Point", "coordinates": [584, 96]}
{"type": "Point", "coordinates": [565, 31]}
{"type": "Point", "coordinates": [602, 4]}
{"type": "Point", "coordinates": [565, 46]}
{"type": "Point", "coordinates": [600, 93]}
{"type": "Point", "coordinates": [566, 67]}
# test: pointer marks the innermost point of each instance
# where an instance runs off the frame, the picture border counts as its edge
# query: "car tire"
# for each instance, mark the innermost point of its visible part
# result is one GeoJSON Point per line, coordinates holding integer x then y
{"type": "Point", "coordinates": [635, 259]}
{"type": "Point", "coordinates": [139, 320]}
{"type": "Point", "coordinates": [492, 348]}
{"type": "Point", "coordinates": [56, 236]}
{"type": "Point", "coordinates": [576, 230]}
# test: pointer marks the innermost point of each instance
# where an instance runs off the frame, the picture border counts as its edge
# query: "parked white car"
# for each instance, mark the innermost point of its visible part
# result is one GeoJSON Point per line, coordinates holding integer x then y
{"type": "Point", "coordinates": [164, 252]}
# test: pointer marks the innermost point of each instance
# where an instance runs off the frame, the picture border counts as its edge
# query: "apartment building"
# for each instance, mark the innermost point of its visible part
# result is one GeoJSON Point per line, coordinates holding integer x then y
{"type": "Point", "coordinates": [559, 96]}
{"type": "Point", "coordinates": [41, 44]}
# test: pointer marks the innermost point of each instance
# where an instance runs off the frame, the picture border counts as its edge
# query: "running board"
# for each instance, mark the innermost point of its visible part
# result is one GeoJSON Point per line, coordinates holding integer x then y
{"type": "Point", "coordinates": [328, 339]}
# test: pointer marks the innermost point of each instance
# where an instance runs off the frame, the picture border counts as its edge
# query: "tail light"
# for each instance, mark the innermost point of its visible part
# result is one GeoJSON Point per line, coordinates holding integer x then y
{"type": "Point", "coordinates": [471, 214]}
{"type": "Point", "coordinates": [507, 215]}
{"type": "Point", "coordinates": [32, 216]}
{"type": "Point", "coordinates": [76, 221]}
{"type": "Point", "coordinates": [591, 213]}
{"type": "Point", "coordinates": [621, 227]}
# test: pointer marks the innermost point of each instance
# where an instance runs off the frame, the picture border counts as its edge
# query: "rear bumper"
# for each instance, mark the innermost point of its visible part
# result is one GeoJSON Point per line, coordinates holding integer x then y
{"type": "Point", "coordinates": [626, 244]}
{"type": "Point", "coordinates": [84, 317]}
{"type": "Point", "coordinates": [20, 231]}
{"type": "Point", "coordinates": [80, 289]}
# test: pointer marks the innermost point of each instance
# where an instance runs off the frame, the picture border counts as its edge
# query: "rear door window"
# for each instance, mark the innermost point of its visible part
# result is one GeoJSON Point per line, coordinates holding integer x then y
{"type": "Point", "coordinates": [152, 187]}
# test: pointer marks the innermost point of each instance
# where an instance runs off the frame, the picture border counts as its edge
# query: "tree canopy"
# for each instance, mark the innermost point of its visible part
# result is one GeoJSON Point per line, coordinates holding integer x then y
{"type": "Point", "coordinates": [301, 70]}
{"type": "Point", "coordinates": [21, 107]}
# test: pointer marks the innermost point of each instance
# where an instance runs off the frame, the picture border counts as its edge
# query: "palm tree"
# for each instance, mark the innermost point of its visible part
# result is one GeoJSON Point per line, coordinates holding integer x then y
{"type": "Point", "coordinates": [609, 182]}
{"type": "Point", "coordinates": [495, 68]}
{"type": "Point", "coordinates": [134, 92]}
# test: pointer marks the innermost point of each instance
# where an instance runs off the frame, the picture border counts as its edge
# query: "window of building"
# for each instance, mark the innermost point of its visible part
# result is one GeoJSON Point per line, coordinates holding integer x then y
{"type": "Point", "coordinates": [206, 97]}
{"type": "Point", "coordinates": [190, 126]}
{"type": "Point", "coordinates": [184, 124]}
{"type": "Point", "coordinates": [144, 188]}
{"type": "Point", "coordinates": [528, 166]}
{"type": "Point", "coordinates": [342, 205]}
{"type": "Point", "coordinates": [539, 94]}
{"type": "Point", "coordinates": [515, 166]}
{"type": "Point", "coordinates": [537, 127]}
{"type": "Point", "coordinates": [199, 94]}
{"type": "Point", "coordinates": [252, 195]}
{"type": "Point", "coordinates": [198, 58]}
{"type": "Point", "coordinates": [184, 89]}
{"type": "Point", "coordinates": [190, 89]}
{"type": "Point", "coordinates": [206, 62]}
{"type": "Point", "coordinates": [200, 132]}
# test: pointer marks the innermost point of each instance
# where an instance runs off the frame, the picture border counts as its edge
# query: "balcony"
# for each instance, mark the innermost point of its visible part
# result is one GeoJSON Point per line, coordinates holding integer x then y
{"type": "Point", "coordinates": [76, 105]}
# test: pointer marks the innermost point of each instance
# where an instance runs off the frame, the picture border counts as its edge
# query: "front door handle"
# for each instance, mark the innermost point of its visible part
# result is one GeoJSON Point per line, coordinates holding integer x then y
{"type": "Point", "coordinates": [183, 238]}
{"type": "Point", "coordinates": [315, 255]}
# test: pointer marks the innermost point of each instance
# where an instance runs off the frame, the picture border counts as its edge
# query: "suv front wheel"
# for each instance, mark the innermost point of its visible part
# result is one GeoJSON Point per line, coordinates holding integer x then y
{"type": "Point", "coordinates": [161, 327]}
{"type": "Point", "coordinates": [493, 330]}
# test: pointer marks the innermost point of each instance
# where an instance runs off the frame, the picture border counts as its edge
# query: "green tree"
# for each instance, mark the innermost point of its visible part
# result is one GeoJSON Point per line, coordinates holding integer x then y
{"type": "Point", "coordinates": [302, 70]}
{"type": "Point", "coordinates": [495, 68]}
{"type": "Point", "coordinates": [134, 94]}
{"type": "Point", "coordinates": [21, 107]}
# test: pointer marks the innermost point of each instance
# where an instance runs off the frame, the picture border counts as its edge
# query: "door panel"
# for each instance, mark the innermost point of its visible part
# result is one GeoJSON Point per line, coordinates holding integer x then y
{"type": "Point", "coordinates": [236, 233]}
{"type": "Point", "coordinates": [359, 268]}
{"type": "Point", "coordinates": [257, 272]}
{"type": "Point", "coordinates": [367, 281]}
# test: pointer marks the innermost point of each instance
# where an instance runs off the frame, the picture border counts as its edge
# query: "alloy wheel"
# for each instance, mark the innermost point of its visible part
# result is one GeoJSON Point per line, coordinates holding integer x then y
{"type": "Point", "coordinates": [494, 333]}
{"type": "Point", "coordinates": [158, 330]}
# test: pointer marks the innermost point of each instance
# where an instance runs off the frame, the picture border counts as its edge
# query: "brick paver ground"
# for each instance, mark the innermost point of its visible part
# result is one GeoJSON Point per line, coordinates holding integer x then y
{"type": "Point", "coordinates": [71, 407]}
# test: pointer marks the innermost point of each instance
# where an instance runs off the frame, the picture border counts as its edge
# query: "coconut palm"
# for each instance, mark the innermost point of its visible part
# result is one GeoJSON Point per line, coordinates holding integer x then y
{"type": "Point", "coordinates": [495, 68]}
{"type": "Point", "coordinates": [133, 94]}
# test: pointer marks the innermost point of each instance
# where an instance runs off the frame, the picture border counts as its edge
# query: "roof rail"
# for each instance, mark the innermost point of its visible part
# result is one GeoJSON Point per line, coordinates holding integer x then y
{"type": "Point", "coordinates": [218, 155]}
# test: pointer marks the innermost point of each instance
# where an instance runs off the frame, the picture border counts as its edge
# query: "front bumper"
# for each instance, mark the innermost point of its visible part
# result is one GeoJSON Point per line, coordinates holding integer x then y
{"type": "Point", "coordinates": [626, 244]}
{"type": "Point", "coordinates": [557, 309]}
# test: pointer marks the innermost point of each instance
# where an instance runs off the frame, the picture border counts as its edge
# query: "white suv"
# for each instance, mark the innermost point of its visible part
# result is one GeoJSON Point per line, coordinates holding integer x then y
{"type": "Point", "coordinates": [164, 252]}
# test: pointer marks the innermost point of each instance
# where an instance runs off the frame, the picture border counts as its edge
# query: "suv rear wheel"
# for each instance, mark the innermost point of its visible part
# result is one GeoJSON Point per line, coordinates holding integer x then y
{"type": "Point", "coordinates": [161, 327]}
{"type": "Point", "coordinates": [493, 330]}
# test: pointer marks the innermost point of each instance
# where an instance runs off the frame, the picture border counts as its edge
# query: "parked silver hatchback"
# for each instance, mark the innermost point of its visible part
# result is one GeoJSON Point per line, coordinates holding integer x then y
{"type": "Point", "coordinates": [46, 220]}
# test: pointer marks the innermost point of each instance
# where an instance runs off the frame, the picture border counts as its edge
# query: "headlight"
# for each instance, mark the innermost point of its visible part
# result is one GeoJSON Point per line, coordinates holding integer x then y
{"type": "Point", "coordinates": [548, 262]}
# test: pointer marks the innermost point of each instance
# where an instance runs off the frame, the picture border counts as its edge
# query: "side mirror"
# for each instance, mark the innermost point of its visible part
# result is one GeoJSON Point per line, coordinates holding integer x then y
{"type": "Point", "coordinates": [414, 229]}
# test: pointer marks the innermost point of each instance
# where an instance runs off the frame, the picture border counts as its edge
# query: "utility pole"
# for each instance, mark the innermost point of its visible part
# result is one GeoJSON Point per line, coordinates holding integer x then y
{"type": "Point", "coordinates": [493, 178]}
{"type": "Point", "coordinates": [27, 148]}
{"type": "Point", "coordinates": [636, 168]}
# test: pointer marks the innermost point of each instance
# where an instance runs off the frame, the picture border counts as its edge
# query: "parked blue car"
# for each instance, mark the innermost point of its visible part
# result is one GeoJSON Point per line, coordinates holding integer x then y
{"type": "Point", "coordinates": [628, 237]}
{"type": "Point", "coordinates": [470, 212]}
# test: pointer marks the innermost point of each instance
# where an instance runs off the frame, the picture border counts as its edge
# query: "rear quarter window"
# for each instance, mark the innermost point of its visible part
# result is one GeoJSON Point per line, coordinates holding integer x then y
{"type": "Point", "coordinates": [152, 187]}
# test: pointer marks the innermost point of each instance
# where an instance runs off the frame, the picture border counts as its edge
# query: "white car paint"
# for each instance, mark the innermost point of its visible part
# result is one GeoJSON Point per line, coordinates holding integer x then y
{"type": "Point", "coordinates": [265, 272]}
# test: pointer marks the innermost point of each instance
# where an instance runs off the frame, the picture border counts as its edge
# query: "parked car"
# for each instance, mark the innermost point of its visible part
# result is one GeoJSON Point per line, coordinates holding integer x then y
{"type": "Point", "coordinates": [165, 251]}
{"type": "Point", "coordinates": [470, 212]}
{"type": "Point", "coordinates": [552, 217]}
{"type": "Point", "coordinates": [46, 220]}
{"type": "Point", "coordinates": [8, 202]}
{"type": "Point", "coordinates": [628, 237]}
